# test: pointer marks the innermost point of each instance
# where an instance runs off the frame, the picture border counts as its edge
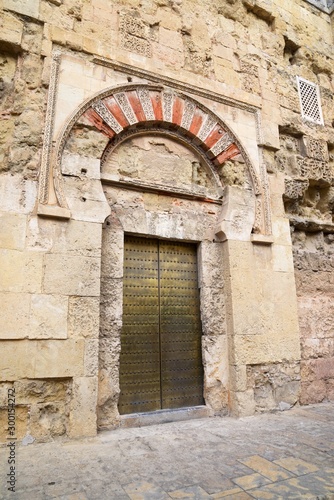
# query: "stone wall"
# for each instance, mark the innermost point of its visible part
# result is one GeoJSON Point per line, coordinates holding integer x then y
{"type": "Point", "coordinates": [314, 264]}
{"type": "Point", "coordinates": [64, 205]}
{"type": "Point", "coordinates": [307, 163]}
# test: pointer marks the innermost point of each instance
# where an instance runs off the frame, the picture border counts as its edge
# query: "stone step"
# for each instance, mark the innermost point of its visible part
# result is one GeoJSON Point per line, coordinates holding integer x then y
{"type": "Point", "coordinates": [165, 416]}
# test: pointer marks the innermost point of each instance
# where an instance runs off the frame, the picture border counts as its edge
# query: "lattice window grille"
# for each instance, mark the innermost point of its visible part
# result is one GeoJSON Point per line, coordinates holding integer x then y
{"type": "Point", "coordinates": [310, 104]}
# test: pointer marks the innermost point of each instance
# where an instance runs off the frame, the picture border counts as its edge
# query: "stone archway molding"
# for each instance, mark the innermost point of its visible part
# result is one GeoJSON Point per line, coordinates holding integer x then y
{"type": "Point", "coordinates": [117, 111]}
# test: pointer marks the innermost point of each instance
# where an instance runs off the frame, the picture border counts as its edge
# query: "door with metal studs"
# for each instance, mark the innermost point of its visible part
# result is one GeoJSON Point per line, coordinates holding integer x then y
{"type": "Point", "coordinates": [160, 362]}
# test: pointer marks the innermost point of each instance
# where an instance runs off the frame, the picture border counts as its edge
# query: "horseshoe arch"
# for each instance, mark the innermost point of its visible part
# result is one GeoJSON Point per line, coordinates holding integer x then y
{"type": "Point", "coordinates": [122, 111]}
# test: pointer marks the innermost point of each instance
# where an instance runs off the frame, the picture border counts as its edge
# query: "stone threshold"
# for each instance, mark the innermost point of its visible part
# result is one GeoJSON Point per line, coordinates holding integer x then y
{"type": "Point", "coordinates": [165, 416]}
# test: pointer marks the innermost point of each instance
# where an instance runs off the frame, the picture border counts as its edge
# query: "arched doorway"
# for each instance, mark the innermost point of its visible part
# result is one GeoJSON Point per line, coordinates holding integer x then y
{"type": "Point", "coordinates": [162, 300]}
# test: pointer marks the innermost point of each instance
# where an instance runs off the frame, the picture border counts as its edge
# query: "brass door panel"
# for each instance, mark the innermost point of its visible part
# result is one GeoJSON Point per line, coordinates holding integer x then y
{"type": "Point", "coordinates": [160, 364]}
{"type": "Point", "coordinates": [140, 345]}
{"type": "Point", "coordinates": [180, 326]}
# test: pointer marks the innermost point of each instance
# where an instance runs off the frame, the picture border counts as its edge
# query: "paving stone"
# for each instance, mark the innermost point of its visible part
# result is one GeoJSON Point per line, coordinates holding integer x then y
{"type": "Point", "coordinates": [227, 493]}
{"type": "Point", "coordinates": [143, 490]}
{"type": "Point", "coordinates": [74, 496]}
{"type": "Point", "coordinates": [213, 483]}
{"type": "Point", "coordinates": [98, 490]}
{"type": "Point", "coordinates": [251, 481]}
{"type": "Point", "coordinates": [309, 486]}
{"type": "Point", "coordinates": [61, 488]}
{"type": "Point", "coordinates": [27, 494]}
{"type": "Point", "coordinates": [296, 465]}
{"type": "Point", "coordinates": [266, 468]}
{"type": "Point", "coordinates": [242, 495]}
{"type": "Point", "coordinates": [193, 492]}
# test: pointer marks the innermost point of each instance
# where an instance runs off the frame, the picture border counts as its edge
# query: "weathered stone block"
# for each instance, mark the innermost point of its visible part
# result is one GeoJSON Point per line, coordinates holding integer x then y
{"type": "Point", "coordinates": [270, 134]}
{"type": "Point", "coordinates": [71, 275]}
{"type": "Point", "coordinates": [316, 313]}
{"type": "Point", "coordinates": [21, 423]}
{"type": "Point", "coordinates": [83, 317]}
{"type": "Point", "coordinates": [238, 214]}
{"type": "Point", "coordinates": [264, 398]}
{"type": "Point", "coordinates": [86, 200]}
{"type": "Point", "coordinates": [4, 387]}
{"type": "Point", "coordinates": [210, 259]}
{"type": "Point", "coordinates": [48, 317]}
{"type": "Point", "coordinates": [238, 378]}
{"type": "Point", "coordinates": [16, 194]}
{"type": "Point", "coordinates": [41, 359]}
{"type": "Point", "coordinates": [288, 393]}
{"type": "Point", "coordinates": [81, 166]}
{"type": "Point", "coordinates": [29, 392]}
{"type": "Point", "coordinates": [215, 362]}
{"type": "Point", "coordinates": [11, 31]}
{"type": "Point", "coordinates": [48, 420]}
{"type": "Point", "coordinates": [281, 230]}
{"type": "Point", "coordinates": [91, 357]}
{"type": "Point", "coordinates": [261, 309]}
{"type": "Point", "coordinates": [13, 230]}
{"type": "Point", "coordinates": [82, 421]}
{"type": "Point", "coordinates": [112, 249]}
{"type": "Point", "coordinates": [14, 318]}
{"type": "Point", "coordinates": [30, 8]}
{"type": "Point", "coordinates": [111, 304]}
{"type": "Point", "coordinates": [314, 392]}
{"type": "Point", "coordinates": [242, 403]}
{"type": "Point", "coordinates": [171, 39]}
{"type": "Point", "coordinates": [78, 238]}
{"type": "Point", "coordinates": [22, 271]}
{"type": "Point", "coordinates": [60, 358]}
{"type": "Point", "coordinates": [282, 258]}
{"type": "Point", "coordinates": [213, 311]}
{"type": "Point", "coordinates": [265, 348]}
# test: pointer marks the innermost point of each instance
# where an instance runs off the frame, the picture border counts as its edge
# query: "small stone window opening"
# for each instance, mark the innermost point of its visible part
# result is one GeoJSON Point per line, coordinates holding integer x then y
{"type": "Point", "coordinates": [309, 97]}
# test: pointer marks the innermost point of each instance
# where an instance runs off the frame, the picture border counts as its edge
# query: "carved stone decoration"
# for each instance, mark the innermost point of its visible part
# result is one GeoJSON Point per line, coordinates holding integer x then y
{"type": "Point", "coordinates": [134, 34]}
{"type": "Point", "coordinates": [207, 127]}
{"type": "Point", "coordinates": [295, 189]}
{"type": "Point", "coordinates": [167, 109]}
{"type": "Point", "coordinates": [145, 101]}
{"type": "Point", "coordinates": [109, 119]}
{"type": "Point", "coordinates": [309, 168]}
{"type": "Point", "coordinates": [220, 146]}
{"type": "Point", "coordinates": [135, 44]}
{"type": "Point", "coordinates": [188, 115]}
{"type": "Point", "coordinates": [258, 216]}
{"type": "Point", "coordinates": [132, 25]}
{"type": "Point", "coordinates": [49, 122]}
{"type": "Point", "coordinates": [148, 105]}
{"type": "Point", "coordinates": [125, 106]}
{"type": "Point", "coordinates": [316, 148]}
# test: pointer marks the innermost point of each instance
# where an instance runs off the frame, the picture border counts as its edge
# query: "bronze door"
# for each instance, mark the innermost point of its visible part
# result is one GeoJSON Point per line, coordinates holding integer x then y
{"type": "Point", "coordinates": [160, 363]}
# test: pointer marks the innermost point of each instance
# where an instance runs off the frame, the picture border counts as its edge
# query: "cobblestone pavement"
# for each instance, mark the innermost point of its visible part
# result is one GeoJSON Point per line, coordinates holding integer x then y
{"type": "Point", "coordinates": [284, 455]}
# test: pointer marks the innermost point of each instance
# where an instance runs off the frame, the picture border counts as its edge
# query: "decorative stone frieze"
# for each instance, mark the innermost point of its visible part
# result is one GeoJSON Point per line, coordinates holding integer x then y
{"type": "Point", "coordinates": [316, 148]}
{"type": "Point", "coordinates": [295, 189]}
